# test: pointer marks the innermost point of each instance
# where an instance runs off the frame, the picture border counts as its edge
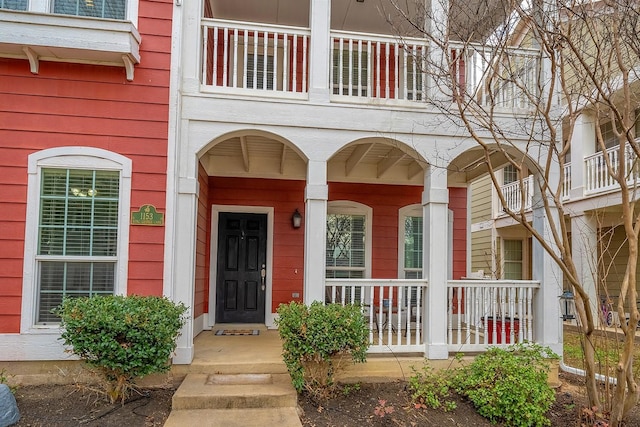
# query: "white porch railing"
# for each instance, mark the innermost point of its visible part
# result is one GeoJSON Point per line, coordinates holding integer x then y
{"type": "Point", "coordinates": [597, 176]}
{"type": "Point", "coordinates": [394, 310]}
{"type": "Point", "coordinates": [498, 78]}
{"type": "Point", "coordinates": [495, 312]}
{"type": "Point", "coordinates": [258, 57]}
{"type": "Point", "coordinates": [376, 66]}
{"type": "Point", "coordinates": [513, 194]}
{"type": "Point", "coordinates": [566, 183]}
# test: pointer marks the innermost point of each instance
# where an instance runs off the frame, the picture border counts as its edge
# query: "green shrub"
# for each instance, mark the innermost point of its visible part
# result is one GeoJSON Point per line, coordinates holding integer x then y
{"type": "Point", "coordinates": [509, 386]}
{"type": "Point", "coordinates": [432, 389]}
{"type": "Point", "coordinates": [124, 338]}
{"type": "Point", "coordinates": [317, 339]}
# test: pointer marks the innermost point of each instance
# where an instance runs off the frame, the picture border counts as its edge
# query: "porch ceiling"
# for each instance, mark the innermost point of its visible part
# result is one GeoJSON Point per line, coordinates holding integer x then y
{"type": "Point", "coordinates": [372, 161]}
{"type": "Point", "coordinates": [472, 19]}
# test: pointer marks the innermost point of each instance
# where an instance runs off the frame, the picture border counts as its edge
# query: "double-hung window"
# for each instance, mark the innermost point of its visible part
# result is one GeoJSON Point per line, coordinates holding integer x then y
{"type": "Point", "coordinates": [76, 240]}
{"type": "Point", "coordinates": [77, 236]}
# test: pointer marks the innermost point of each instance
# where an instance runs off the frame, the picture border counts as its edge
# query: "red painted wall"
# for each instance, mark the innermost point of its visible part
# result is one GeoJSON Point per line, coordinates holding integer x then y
{"type": "Point", "coordinates": [287, 196]}
{"type": "Point", "coordinates": [88, 105]}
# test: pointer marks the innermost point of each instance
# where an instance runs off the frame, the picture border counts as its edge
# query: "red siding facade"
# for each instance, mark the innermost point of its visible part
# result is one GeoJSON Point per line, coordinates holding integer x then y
{"type": "Point", "coordinates": [288, 245]}
{"type": "Point", "coordinates": [87, 105]}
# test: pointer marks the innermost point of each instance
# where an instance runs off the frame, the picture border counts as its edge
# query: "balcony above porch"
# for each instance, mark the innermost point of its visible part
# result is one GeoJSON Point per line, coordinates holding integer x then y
{"type": "Point", "coordinates": [278, 49]}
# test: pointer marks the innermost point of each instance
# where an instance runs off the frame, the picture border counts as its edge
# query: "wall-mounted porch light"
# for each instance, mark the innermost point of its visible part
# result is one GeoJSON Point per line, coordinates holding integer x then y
{"type": "Point", "coordinates": [296, 219]}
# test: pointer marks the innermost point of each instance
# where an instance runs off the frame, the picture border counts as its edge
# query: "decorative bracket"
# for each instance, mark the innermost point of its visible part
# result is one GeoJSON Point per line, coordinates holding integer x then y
{"type": "Point", "coordinates": [34, 62]}
{"type": "Point", "coordinates": [128, 66]}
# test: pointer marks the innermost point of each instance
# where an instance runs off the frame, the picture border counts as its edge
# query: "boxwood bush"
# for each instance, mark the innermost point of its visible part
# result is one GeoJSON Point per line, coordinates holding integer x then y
{"type": "Point", "coordinates": [318, 340]}
{"type": "Point", "coordinates": [123, 338]}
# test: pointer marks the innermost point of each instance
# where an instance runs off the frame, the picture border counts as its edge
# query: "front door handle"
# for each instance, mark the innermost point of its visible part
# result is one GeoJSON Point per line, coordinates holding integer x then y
{"type": "Point", "coordinates": [263, 276]}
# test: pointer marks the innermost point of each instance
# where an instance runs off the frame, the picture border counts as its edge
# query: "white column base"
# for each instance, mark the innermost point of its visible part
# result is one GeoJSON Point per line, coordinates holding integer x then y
{"type": "Point", "coordinates": [183, 356]}
{"type": "Point", "coordinates": [436, 351]}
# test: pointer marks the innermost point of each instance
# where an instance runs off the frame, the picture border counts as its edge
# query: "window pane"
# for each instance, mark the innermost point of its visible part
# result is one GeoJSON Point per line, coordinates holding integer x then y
{"type": "Point", "coordinates": [113, 9]}
{"type": "Point", "coordinates": [513, 259]}
{"type": "Point", "coordinates": [59, 279]}
{"type": "Point", "coordinates": [413, 242]}
{"type": "Point", "coordinates": [345, 240]}
{"type": "Point", "coordinates": [13, 4]}
{"type": "Point", "coordinates": [79, 212]}
{"type": "Point", "coordinates": [259, 64]}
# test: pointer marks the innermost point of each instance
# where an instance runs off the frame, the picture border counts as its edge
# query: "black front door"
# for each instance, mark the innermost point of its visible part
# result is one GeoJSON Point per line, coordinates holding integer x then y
{"type": "Point", "coordinates": [240, 281]}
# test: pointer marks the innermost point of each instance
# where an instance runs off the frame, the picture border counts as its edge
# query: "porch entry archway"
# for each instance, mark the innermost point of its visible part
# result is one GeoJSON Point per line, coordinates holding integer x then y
{"type": "Point", "coordinates": [241, 268]}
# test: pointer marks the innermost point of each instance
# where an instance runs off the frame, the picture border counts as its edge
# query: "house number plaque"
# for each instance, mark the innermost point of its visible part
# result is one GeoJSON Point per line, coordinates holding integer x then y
{"type": "Point", "coordinates": [147, 215]}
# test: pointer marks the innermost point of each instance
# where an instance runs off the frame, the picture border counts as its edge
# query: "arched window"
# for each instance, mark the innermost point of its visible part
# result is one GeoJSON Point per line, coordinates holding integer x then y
{"type": "Point", "coordinates": [76, 240]}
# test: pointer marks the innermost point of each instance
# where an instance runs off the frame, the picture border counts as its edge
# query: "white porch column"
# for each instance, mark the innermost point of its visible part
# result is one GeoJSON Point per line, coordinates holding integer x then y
{"type": "Point", "coordinates": [435, 200]}
{"type": "Point", "coordinates": [547, 324]}
{"type": "Point", "coordinates": [438, 88]}
{"type": "Point", "coordinates": [319, 50]}
{"type": "Point", "coordinates": [315, 231]}
{"type": "Point", "coordinates": [582, 145]}
{"type": "Point", "coordinates": [584, 250]}
{"type": "Point", "coordinates": [183, 275]}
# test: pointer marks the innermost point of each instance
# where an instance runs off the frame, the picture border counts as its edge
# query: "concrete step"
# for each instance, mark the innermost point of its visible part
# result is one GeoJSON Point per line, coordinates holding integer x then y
{"type": "Point", "coordinates": [222, 391]}
{"type": "Point", "coordinates": [242, 417]}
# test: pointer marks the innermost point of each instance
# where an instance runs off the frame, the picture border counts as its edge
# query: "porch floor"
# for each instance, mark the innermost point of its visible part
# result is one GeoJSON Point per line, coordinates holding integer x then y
{"type": "Point", "coordinates": [260, 354]}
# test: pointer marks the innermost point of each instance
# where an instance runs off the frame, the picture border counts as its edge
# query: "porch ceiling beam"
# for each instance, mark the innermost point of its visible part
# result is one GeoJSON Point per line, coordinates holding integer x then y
{"type": "Point", "coordinates": [356, 157]}
{"type": "Point", "coordinates": [245, 153]}
{"type": "Point", "coordinates": [392, 158]}
{"type": "Point", "coordinates": [414, 169]}
{"type": "Point", "coordinates": [283, 157]}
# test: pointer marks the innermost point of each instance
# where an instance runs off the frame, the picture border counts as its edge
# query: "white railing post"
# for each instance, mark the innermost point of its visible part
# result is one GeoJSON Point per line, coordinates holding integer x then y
{"type": "Point", "coordinates": [320, 50]}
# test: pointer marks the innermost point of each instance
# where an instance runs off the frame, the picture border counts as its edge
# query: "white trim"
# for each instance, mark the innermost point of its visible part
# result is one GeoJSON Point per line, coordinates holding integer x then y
{"type": "Point", "coordinates": [213, 265]}
{"type": "Point", "coordinates": [347, 207]}
{"type": "Point", "coordinates": [414, 210]}
{"type": "Point", "coordinates": [70, 158]}
{"type": "Point", "coordinates": [200, 324]}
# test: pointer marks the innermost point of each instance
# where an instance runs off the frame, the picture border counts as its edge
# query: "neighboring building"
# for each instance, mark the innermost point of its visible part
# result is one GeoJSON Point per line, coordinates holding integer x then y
{"type": "Point", "coordinates": [270, 110]}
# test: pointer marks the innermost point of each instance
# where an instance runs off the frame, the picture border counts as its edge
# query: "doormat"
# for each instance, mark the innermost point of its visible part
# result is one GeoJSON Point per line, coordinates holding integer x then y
{"type": "Point", "coordinates": [237, 332]}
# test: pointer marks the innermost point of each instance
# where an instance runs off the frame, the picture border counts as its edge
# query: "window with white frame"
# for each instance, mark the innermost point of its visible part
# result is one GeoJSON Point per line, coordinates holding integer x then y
{"type": "Point", "coordinates": [348, 254]}
{"type": "Point", "coordinates": [77, 214]}
{"type": "Point", "coordinates": [512, 259]}
{"type": "Point", "coordinates": [111, 9]}
{"type": "Point", "coordinates": [509, 174]}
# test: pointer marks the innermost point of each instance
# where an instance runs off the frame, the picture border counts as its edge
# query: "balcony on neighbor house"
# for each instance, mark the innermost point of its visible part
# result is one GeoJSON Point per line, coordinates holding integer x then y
{"type": "Point", "coordinates": [597, 179]}
{"type": "Point", "coordinates": [249, 54]}
{"type": "Point", "coordinates": [480, 313]}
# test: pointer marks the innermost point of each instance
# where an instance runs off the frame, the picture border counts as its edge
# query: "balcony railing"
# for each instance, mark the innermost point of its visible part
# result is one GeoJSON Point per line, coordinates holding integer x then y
{"type": "Point", "coordinates": [489, 312]}
{"type": "Point", "coordinates": [499, 78]}
{"type": "Point", "coordinates": [273, 59]}
{"type": "Point", "coordinates": [515, 195]}
{"type": "Point", "coordinates": [240, 56]}
{"type": "Point", "coordinates": [393, 308]}
{"type": "Point", "coordinates": [378, 67]}
{"type": "Point", "coordinates": [597, 176]}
